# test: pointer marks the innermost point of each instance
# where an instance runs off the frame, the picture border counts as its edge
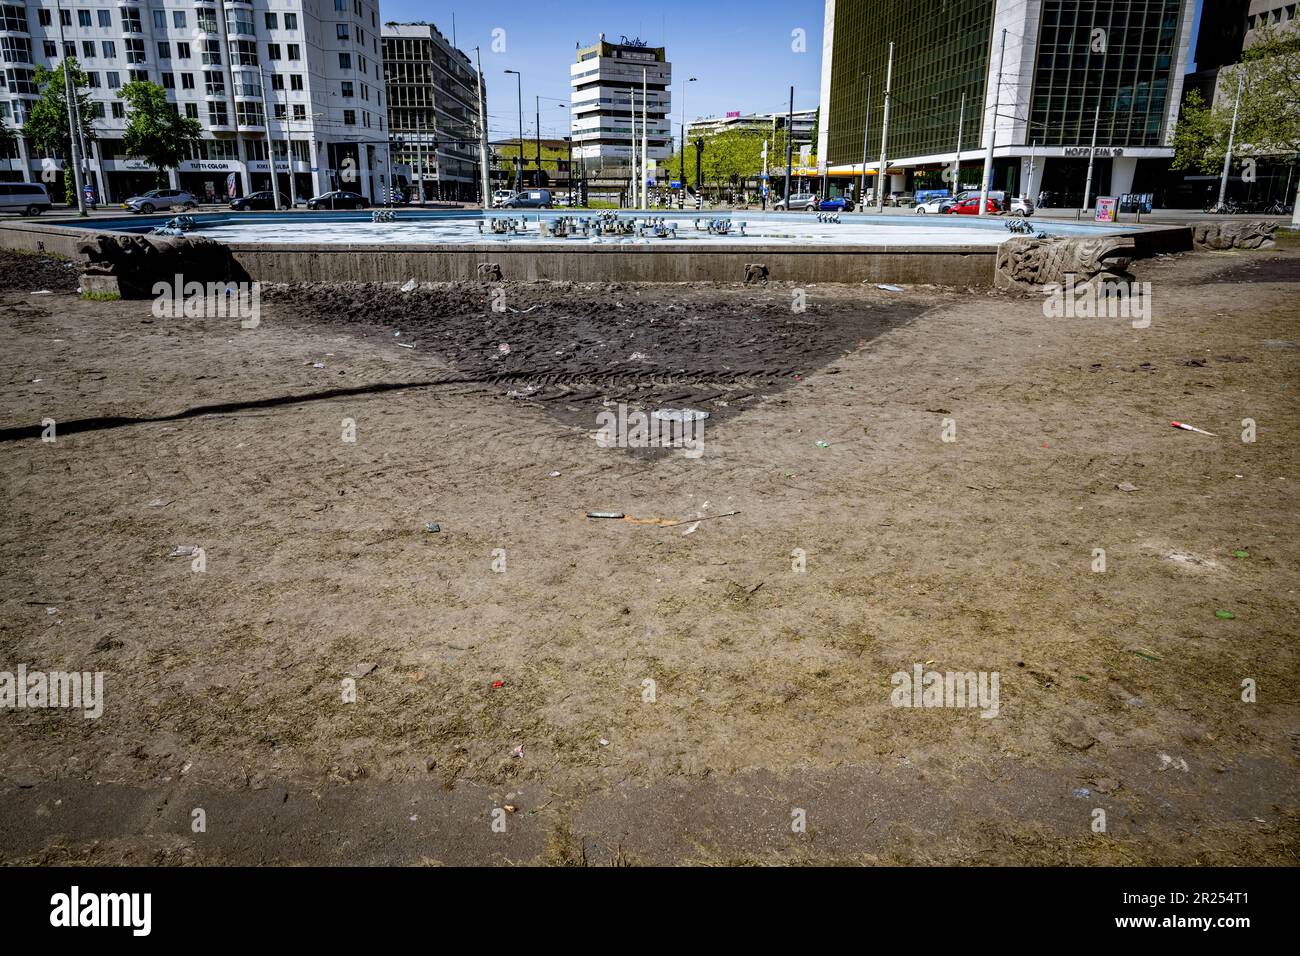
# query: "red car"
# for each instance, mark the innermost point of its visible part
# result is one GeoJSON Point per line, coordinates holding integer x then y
{"type": "Point", "coordinates": [971, 207]}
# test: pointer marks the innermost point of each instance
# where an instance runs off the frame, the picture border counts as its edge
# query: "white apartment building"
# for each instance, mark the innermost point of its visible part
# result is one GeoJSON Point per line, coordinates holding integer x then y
{"type": "Point", "coordinates": [299, 81]}
{"type": "Point", "coordinates": [606, 86]}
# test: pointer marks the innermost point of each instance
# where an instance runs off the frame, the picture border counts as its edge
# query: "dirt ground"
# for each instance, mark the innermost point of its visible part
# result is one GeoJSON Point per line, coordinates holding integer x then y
{"type": "Point", "coordinates": [536, 686]}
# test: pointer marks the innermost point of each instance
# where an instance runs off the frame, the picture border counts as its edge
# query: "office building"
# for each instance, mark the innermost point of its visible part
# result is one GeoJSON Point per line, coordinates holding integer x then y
{"type": "Point", "coordinates": [606, 86]}
{"type": "Point", "coordinates": [1036, 77]}
{"type": "Point", "coordinates": [297, 80]}
{"type": "Point", "coordinates": [433, 111]}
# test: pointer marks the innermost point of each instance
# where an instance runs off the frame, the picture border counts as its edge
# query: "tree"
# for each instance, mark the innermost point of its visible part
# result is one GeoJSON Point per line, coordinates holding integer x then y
{"type": "Point", "coordinates": [733, 152]}
{"type": "Point", "coordinates": [47, 122]}
{"type": "Point", "coordinates": [1268, 119]}
{"type": "Point", "coordinates": [156, 132]}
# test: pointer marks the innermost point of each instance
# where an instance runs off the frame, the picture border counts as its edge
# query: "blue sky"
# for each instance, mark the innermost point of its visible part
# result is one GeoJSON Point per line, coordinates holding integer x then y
{"type": "Point", "coordinates": [740, 52]}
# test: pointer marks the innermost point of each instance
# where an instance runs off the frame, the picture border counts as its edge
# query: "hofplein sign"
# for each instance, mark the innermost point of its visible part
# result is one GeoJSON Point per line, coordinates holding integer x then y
{"type": "Point", "coordinates": [1099, 151]}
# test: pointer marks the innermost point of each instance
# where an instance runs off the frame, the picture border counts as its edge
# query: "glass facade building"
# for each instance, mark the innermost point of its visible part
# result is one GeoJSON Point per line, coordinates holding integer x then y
{"type": "Point", "coordinates": [1116, 53]}
{"type": "Point", "coordinates": [1035, 76]}
{"type": "Point", "coordinates": [938, 57]}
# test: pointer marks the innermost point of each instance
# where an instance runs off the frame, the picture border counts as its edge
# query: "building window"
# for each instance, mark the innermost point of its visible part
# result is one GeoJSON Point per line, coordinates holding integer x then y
{"type": "Point", "coordinates": [207, 21]}
{"type": "Point", "coordinates": [110, 49]}
{"type": "Point", "coordinates": [217, 115]}
{"type": "Point", "coordinates": [83, 18]}
{"type": "Point", "coordinates": [65, 17]}
{"type": "Point", "coordinates": [105, 18]}
{"type": "Point", "coordinates": [187, 81]}
{"type": "Point", "coordinates": [51, 49]}
{"type": "Point", "coordinates": [214, 82]}
{"type": "Point", "coordinates": [212, 52]}
{"type": "Point", "coordinates": [299, 111]}
{"type": "Point", "coordinates": [159, 20]}
{"type": "Point", "coordinates": [112, 80]}
{"type": "Point", "coordinates": [182, 50]}
{"type": "Point", "coordinates": [273, 51]}
{"type": "Point", "coordinates": [345, 61]}
{"type": "Point", "coordinates": [131, 21]}
{"type": "Point", "coordinates": [87, 49]}
{"type": "Point", "coordinates": [178, 19]}
{"type": "Point", "coordinates": [93, 80]}
{"type": "Point", "coordinates": [97, 110]}
{"type": "Point", "coordinates": [277, 81]}
{"type": "Point", "coordinates": [295, 51]}
{"type": "Point", "coordinates": [349, 117]}
{"type": "Point", "coordinates": [164, 50]}
{"type": "Point", "coordinates": [249, 114]}
{"type": "Point", "coordinates": [272, 21]}
{"type": "Point", "coordinates": [291, 21]}
{"type": "Point", "coordinates": [119, 109]}
{"type": "Point", "coordinates": [134, 51]}
{"type": "Point", "coordinates": [244, 52]}
{"type": "Point", "coordinates": [345, 89]}
{"type": "Point", "coordinates": [248, 84]}
{"type": "Point", "coordinates": [279, 111]}
{"type": "Point", "coordinates": [192, 111]}
{"type": "Point", "coordinates": [43, 16]}
{"type": "Point", "coordinates": [69, 50]}
{"type": "Point", "coordinates": [138, 76]}
{"type": "Point", "coordinates": [168, 81]}
{"type": "Point", "coordinates": [295, 81]}
{"type": "Point", "coordinates": [341, 6]}
{"type": "Point", "coordinates": [341, 31]}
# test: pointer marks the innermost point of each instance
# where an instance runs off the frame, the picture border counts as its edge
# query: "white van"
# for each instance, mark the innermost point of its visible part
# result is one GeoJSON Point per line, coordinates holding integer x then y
{"type": "Point", "coordinates": [25, 199]}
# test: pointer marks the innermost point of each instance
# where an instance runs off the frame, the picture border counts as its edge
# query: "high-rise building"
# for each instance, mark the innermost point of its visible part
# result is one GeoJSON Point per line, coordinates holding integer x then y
{"type": "Point", "coordinates": [299, 80]}
{"type": "Point", "coordinates": [433, 110]}
{"type": "Point", "coordinates": [1034, 77]}
{"type": "Point", "coordinates": [606, 81]}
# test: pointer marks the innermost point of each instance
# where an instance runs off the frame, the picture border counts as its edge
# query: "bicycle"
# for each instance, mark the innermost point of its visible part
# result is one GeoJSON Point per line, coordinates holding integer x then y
{"type": "Point", "coordinates": [1228, 208]}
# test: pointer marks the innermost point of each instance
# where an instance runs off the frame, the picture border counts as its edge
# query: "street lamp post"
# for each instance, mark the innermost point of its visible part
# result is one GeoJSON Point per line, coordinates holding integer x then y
{"type": "Point", "coordinates": [519, 173]}
{"type": "Point", "coordinates": [681, 167]}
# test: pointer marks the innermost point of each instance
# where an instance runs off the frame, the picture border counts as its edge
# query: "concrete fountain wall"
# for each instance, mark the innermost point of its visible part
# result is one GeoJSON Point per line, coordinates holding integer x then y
{"type": "Point", "coordinates": [559, 260]}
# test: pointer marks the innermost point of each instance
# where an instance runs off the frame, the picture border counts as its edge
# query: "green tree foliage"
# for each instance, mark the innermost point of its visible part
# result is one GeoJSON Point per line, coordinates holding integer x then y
{"type": "Point", "coordinates": [47, 122]}
{"type": "Point", "coordinates": [735, 152]}
{"type": "Point", "coordinates": [508, 158]}
{"type": "Point", "coordinates": [156, 132]}
{"type": "Point", "coordinates": [1268, 121]}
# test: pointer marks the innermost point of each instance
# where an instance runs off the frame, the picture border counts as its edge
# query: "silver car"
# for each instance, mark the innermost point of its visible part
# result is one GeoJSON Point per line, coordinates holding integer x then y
{"type": "Point", "coordinates": [156, 199]}
{"type": "Point", "coordinates": [804, 201]}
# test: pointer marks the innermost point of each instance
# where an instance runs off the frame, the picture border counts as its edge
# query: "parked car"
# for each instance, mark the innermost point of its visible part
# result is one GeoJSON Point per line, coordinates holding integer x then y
{"type": "Point", "coordinates": [1020, 207]}
{"type": "Point", "coordinates": [26, 199]}
{"type": "Point", "coordinates": [529, 199]}
{"type": "Point", "coordinates": [338, 199]}
{"type": "Point", "coordinates": [156, 199]}
{"type": "Point", "coordinates": [838, 204]}
{"type": "Point", "coordinates": [932, 207]}
{"type": "Point", "coordinates": [499, 196]}
{"type": "Point", "coordinates": [803, 202]}
{"type": "Point", "coordinates": [971, 207]}
{"type": "Point", "coordinates": [261, 200]}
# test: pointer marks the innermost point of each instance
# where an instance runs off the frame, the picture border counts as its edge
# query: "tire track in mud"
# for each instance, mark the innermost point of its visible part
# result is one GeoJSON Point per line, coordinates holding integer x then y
{"type": "Point", "coordinates": [579, 348]}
